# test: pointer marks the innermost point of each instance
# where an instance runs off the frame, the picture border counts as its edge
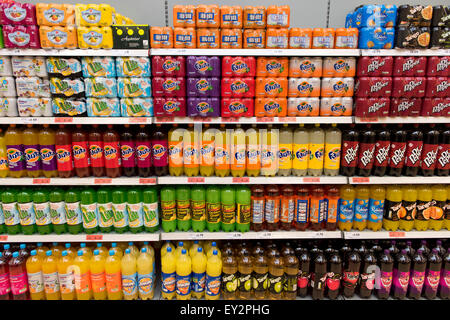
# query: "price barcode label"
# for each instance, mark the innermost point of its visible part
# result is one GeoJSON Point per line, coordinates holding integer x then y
{"type": "Point", "coordinates": [147, 180]}
{"type": "Point", "coordinates": [397, 234]}
{"type": "Point", "coordinates": [372, 119]}
{"type": "Point", "coordinates": [197, 236]}
{"type": "Point", "coordinates": [264, 119]}
{"type": "Point", "coordinates": [355, 235]}
{"type": "Point", "coordinates": [94, 237]}
{"type": "Point", "coordinates": [414, 51]}
{"type": "Point", "coordinates": [266, 235]}
{"type": "Point", "coordinates": [318, 235]}
{"type": "Point", "coordinates": [311, 180]}
{"type": "Point", "coordinates": [375, 52]}
{"type": "Point", "coordinates": [41, 181]}
{"type": "Point", "coordinates": [137, 120]}
{"type": "Point", "coordinates": [230, 120]}
{"type": "Point", "coordinates": [201, 119]}
{"type": "Point", "coordinates": [29, 120]}
{"type": "Point", "coordinates": [287, 119]}
{"type": "Point", "coordinates": [241, 180]}
{"type": "Point", "coordinates": [235, 235]}
{"type": "Point", "coordinates": [3, 238]}
{"type": "Point", "coordinates": [63, 120]}
{"type": "Point", "coordinates": [360, 180]}
{"type": "Point", "coordinates": [102, 181]}
{"type": "Point", "coordinates": [196, 180]}
{"type": "Point", "coordinates": [163, 119]}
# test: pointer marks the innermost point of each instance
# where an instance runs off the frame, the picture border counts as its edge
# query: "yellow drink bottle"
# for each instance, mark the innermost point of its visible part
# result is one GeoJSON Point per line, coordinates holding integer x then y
{"type": "Point", "coordinates": [376, 207]}
{"type": "Point", "coordinates": [407, 212]}
{"type": "Point", "coordinates": [392, 206]}
{"type": "Point", "coordinates": [193, 249]}
{"type": "Point", "coordinates": [176, 151]}
{"type": "Point", "coordinates": [4, 169]}
{"type": "Point", "coordinates": [164, 247]}
{"type": "Point", "coordinates": [207, 151]}
{"type": "Point", "coordinates": [237, 152]}
{"type": "Point", "coordinates": [14, 150]}
{"type": "Point", "coordinates": [183, 276]}
{"type": "Point", "coordinates": [83, 286]}
{"type": "Point", "coordinates": [102, 250]}
{"type": "Point", "coordinates": [98, 277]}
{"type": "Point", "coordinates": [86, 251]}
{"type": "Point", "coordinates": [70, 250]}
{"type": "Point", "coordinates": [447, 211]}
{"type": "Point", "coordinates": [198, 273]}
{"type": "Point", "coordinates": [253, 152]}
{"type": "Point", "coordinates": [35, 278]}
{"type": "Point", "coordinates": [117, 250]}
{"type": "Point", "coordinates": [146, 275]}
{"type": "Point", "coordinates": [133, 249]}
{"type": "Point", "coordinates": [31, 151]}
{"type": "Point", "coordinates": [50, 274]}
{"type": "Point", "coordinates": [41, 250]}
{"type": "Point", "coordinates": [439, 205]}
{"type": "Point", "coordinates": [346, 207]}
{"type": "Point", "coordinates": [269, 149]}
{"type": "Point", "coordinates": [46, 138]}
{"type": "Point", "coordinates": [213, 276]}
{"type": "Point", "coordinates": [149, 248]}
{"type": "Point", "coordinates": [424, 198]}
{"type": "Point", "coordinates": [168, 274]}
{"type": "Point", "coordinates": [129, 276]}
{"type": "Point", "coordinates": [222, 152]}
{"type": "Point", "coordinates": [66, 276]}
{"type": "Point", "coordinates": [113, 276]}
{"type": "Point", "coordinates": [211, 249]}
{"type": "Point", "coordinates": [361, 207]}
{"type": "Point", "coordinates": [191, 152]}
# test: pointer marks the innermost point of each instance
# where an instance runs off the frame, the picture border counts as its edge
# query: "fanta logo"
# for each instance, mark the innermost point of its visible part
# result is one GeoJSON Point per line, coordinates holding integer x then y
{"type": "Point", "coordinates": [174, 150]}
{"type": "Point", "coordinates": [47, 154]}
{"type": "Point", "coordinates": [239, 86]}
{"type": "Point", "coordinates": [340, 86]}
{"type": "Point", "coordinates": [203, 107]}
{"type": "Point", "coordinates": [341, 65]}
{"type": "Point", "coordinates": [239, 66]}
{"type": "Point", "coordinates": [207, 149]}
{"type": "Point", "coordinates": [334, 154]}
{"type": "Point", "coordinates": [318, 154]}
{"type": "Point", "coordinates": [252, 154]}
{"type": "Point", "coordinates": [126, 151]}
{"type": "Point", "coordinates": [307, 66]}
{"type": "Point", "coordinates": [190, 152]}
{"type": "Point", "coordinates": [273, 65]}
{"type": "Point", "coordinates": [337, 107]}
{"type": "Point", "coordinates": [220, 153]}
{"type": "Point", "coordinates": [170, 85]}
{"type": "Point", "coordinates": [202, 65]}
{"type": "Point", "coordinates": [202, 85]}
{"type": "Point", "coordinates": [158, 151]}
{"type": "Point", "coordinates": [95, 151]}
{"type": "Point", "coordinates": [271, 106]}
{"type": "Point", "coordinates": [237, 107]}
{"type": "Point", "coordinates": [302, 106]}
{"type": "Point", "coordinates": [142, 151]}
{"type": "Point", "coordinates": [170, 65]}
{"type": "Point", "coordinates": [14, 155]}
{"type": "Point", "coordinates": [62, 155]}
{"type": "Point", "coordinates": [272, 86]}
{"type": "Point", "coordinates": [240, 155]}
{"type": "Point", "coordinates": [110, 152]}
{"type": "Point", "coordinates": [304, 87]}
{"type": "Point", "coordinates": [284, 153]}
{"type": "Point", "coordinates": [31, 155]}
{"type": "Point", "coordinates": [301, 154]}
{"type": "Point", "coordinates": [79, 152]}
{"type": "Point", "coordinates": [171, 106]}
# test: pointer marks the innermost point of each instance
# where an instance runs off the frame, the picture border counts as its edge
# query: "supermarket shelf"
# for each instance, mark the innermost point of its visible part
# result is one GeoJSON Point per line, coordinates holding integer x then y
{"type": "Point", "coordinates": [256, 52]}
{"type": "Point", "coordinates": [77, 181]}
{"type": "Point", "coordinates": [405, 52]}
{"type": "Point", "coordinates": [107, 237]}
{"type": "Point", "coordinates": [253, 180]}
{"type": "Point", "coordinates": [399, 180]}
{"type": "Point", "coordinates": [75, 52]}
{"type": "Point", "coordinates": [75, 120]}
{"type": "Point", "coordinates": [251, 235]}
{"type": "Point", "coordinates": [397, 120]}
{"type": "Point", "coordinates": [252, 120]}
{"type": "Point", "coordinates": [396, 234]}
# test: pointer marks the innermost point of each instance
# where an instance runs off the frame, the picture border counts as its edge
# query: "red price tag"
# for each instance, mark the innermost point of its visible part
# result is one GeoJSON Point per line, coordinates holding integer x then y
{"type": "Point", "coordinates": [311, 180]}
{"type": "Point", "coordinates": [397, 234]}
{"type": "Point", "coordinates": [3, 238]}
{"type": "Point", "coordinates": [163, 119]}
{"type": "Point", "coordinates": [287, 119]}
{"type": "Point", "coordinates": [230, 119]}
{"type": "Point", "coordinates": [201, 119]}
{"type": "Point", "coordinates": [137, 120]}
{"type": "Point", "coordinates": [147, 180]}
{"type": "Point", "coordinates": [373, 119]}
{"type": "Point", "coordinates": [241, 180]}
{"type": "Point", "coordinates": [63, 120]}
{"type": "Point", "coordinates": [94, 237]}
{"type": "Point", "coordinates": [41, 181]}
{"type": "Point", "coordinates": [196, 180]}
{"type": "Point", "coordinates": [361, 180]}
{"type": "Point", "coordinates": [264, 119]}
{"type": "Point", "coordinates": [102, 181]}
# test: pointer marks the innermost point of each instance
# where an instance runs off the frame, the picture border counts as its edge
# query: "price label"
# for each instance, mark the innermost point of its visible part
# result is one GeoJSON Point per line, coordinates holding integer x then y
{"type": "Point", "coordinates": [3, 238]}
{"type": "Point", "coordinates": [137, 120]}
{"type": "Point", "coordinates": [230, 120]}
{"type": "Point", "coordinates": [264, 119]}
{"type": "Point", "coordinates": [241, 180]}
{"type": "Point", "coordinates": [287, 119]}
{"type": "Point", "coordinates": [373, 52]}
{"type": "Point", "coordinates": [197, 236]}
{"type": "Point", "coordinates": [235, 235]}
{"type": "Point", "coordinates": [147, 180]}
{"type": "Point", "coordinates": [41, 181]}
{"type": "Point", "coordinates": [63, 120]}
{"type": "Point", "coordinates": [397, 234]}
{"type": "Point", "coordinates": [411, 52]}
{"type": "Point", "coordinates": [318, 235]}
{"type": "Point", "coordinates": [266, 235]}
{"type": "Point", "coordinates": [201, 119]}
{"type": "Point", "coordinates": [196, 180]}
{"type": "Point", "coordinates": [94, 237]}
{"type": "Point", "coordinates": [311, 180]}
{"type": "Point", "coordinates": [29, 120]}
{"type": "Point", "coordinates": [360, 180]}
{"type": "Point", "coordinates": [368, 119]}
{"type": "Point", "coordinates": [102, 181]}
{"type": "Point", "coordinates": [355, 235]}
{"type": "Point", "coordinates": [163, 119]}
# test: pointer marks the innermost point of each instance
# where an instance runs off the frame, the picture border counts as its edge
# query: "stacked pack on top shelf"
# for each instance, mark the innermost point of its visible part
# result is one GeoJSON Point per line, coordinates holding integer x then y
{"type": "Point", "coordinates": [57, 25]}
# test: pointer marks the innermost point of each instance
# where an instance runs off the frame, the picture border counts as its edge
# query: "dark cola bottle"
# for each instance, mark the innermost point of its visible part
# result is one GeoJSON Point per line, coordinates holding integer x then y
{"type": "Point", "coordinates": [402, 268]}
{"type": "Point", "coordinates": [444, 291]}
{"type": "Point", "coordinates": [304, 273]}
{"type": "Point", "coordinates": [318, 279]}
{"type": "Point", "coordinates": [345, 250]}
{"type": "Point", "coordinates": [397, 151]}
{"type": "Point", "coordinates": [382, 145]}
{"type": "Point", "coordinates": [443, 156]}
{"type": "Point", "coordinates": [440, 248]}
{"type": "Point", "coordinates": [351, 273]}
{"type": "Point", "coordinates": [377, 249]}
{"type": "Point", "coordinates": [429, 152]}
{"type": "Point", "coordinates": [368, 275]}
{"type": "Point", "coordinates": [366, 152]}
{"type": "Point", "coordinates": [413, 151]}
{"type": "Point", "coordinates": [417, 275]}
{"type": "Point", "coordinates": [384, 283]}
{"type": "Point", "coordinates": [424, 248]}
{"type": "Point", "coordinates": [334, 275]}
{"type": "Point", "coordinates": [409, 249]}
{"type": "Point", "coordinates": [433, 274]}
{"type": "Point", "coordinates": [350, 147]}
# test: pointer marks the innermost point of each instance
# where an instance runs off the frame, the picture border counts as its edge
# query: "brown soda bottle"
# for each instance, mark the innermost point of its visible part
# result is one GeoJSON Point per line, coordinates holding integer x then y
{"type": "Point", "coordinates": [440, 248]}
{"type": "Point", "coordinates": [257, 207]}
{"type": "Point", "coordinates": [397, 152]}
{"type": "Point", "coordinates": [272, 209]}
{"type": "Point", "coordinates": [444, 292]}
{"type": "Point", "coordinates": [409, 249]}
{"type": "Point", "coordinates": [432, 278]}
{"type": "Point", "coordinates": [413, 152]}
{"type": "Point", "coordinates": [417, 275]}
{"type": "Point", "coordinates": [384, 283]}
{"type": "Point", "coordinates": [317, 208]}
{"type": "Point", "coordinates": [287, 209]}
{"type": "Point", "coordinates": [366, 152]}
{"type": "Point", "coordinates": [80, 150]}
{"type": "Point", "coordinates": [111, 151]}
{"type": "Point", "coordinates": [400, 278]}
{"type": "Point", "coordinates": [291, 264]}
{"type": "Point", "coordinates": [319, 277]}
{"type": "Point", "coordinates": [301, 218]}
{"type": "Point", "coordinates": [368, 275]}
{"type": "Point", "coordinates": [245, 269]}
{"type": "Point", "coordinates": [96, 155]}
{"type": "Point", "coordinates": [393, 250]}
{"type": "Point", "coordinates": [443, 158]}
{"type": "Point", "coordinates": [345, 250]}
{"type": "Point", "coordinates": [376, 248]}
{"type": "Point", "coordinates": [63, 145]}
{"type": "Point", "coordinates": [351, 273]}
{"type": "Point", "coordinates": [143, 152]}
{"type": "Point", "coordinates": [276, 277]}
{"type": "Point", "coordinates": [287, 250]}
{"type": "Point", "coordinates": [429, 152]}
{"type": "Point", "coordinates": [350, 149]}
{"type": "Point", "coordinates": [257, 249]}
{"type": "Point", "coordinates": [333, 204]}
{"type": "Point", "coordinates": [160, 152]}
{"type": "Point", "coordinates": [128, 152]}
{"type": "Point", "coordinates": [334, 275]}
{"type": "Point", "coordinates": [381, 156]}
{"type": "Point", "coordinates": [229, 274]}
{"type": "Point", "coordinates": [303, 273]}
{"type": "Point", "coordinates": [260, 275]}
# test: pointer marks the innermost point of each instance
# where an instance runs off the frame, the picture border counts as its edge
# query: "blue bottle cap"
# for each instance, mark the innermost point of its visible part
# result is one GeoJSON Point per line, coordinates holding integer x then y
{"type": "Point", "coordinates": [99, 244]}
{"type": "Point", "coordinates": [15, 254]}
{"type": "Point", "coordinates": [111, 252]}
{"type": "Point", "coordinates": [127, 251]}
{"type": "Point", "coordinates": [67, 245]}
{"type": "Point", "coordinates": [6, 247]}
{"type": "Point", "coordinates": [23, 246]}
{"type": "Point", "coordinates": [130, 243]}
{"type": "Point", "coordinates": [169, 249]}
{"type": "Point", "coordinates": [64, 253]}
{"type": "Point", "coordinates": [215, 252]}
{"type": "Point", "coordinates": [33, 253]}
{"type": "Point", "coordinates": [183, 251]}
{"type": "Point", "coordinates": [80, 252]}
{"type": "Point", "coordinates": [144, 250]}
{"type": "Point", "coordinates": [39, 244]}
{"type": "Point", "coordinates": [113, 245]}
{"type": "Point", "coordinates": [48, 253]}
{"type": "Point", "coordinates": [96, 252]}
{"type": "Point", "coordinates": [199, 249]}
{"type": "Point", "coordinates": [83, 245]}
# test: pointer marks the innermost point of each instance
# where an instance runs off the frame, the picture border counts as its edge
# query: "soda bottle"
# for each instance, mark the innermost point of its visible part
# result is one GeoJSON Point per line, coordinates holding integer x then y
{"type": "Point", "coordinates": [301, 219]}
{"type": "Point", "coordinates": [397, 152]}
{"type": "Point", "coordinates": [50, 275]}
{"type": "Point", "coordinates": [253, 152]}
{"type": "Point", "coordinates": [300, 151]}
{"type": "Point", "coordinates": [319, 276]}
{"type": "Point", "coordinates": [417, 275]}
{"type": "Point", "coordinates": [15, 152]}
{"type": "Point", "coordinates": [11, 212]}
{"type": "Point", "coordinates": [381, 156]}
{"type": "Point", "coordinates": [213, 276]}
{"type": "Point", "coordinates": [333, 208]}
{"type": "Point", "coordinates": [444, 291]}
{"type": "Point", "coordinates": [447, 211]}
{"type": "Point", "coordinates": [113, 276]}
{"type": "Point", "coordinates": [392, 208]}
{"type": "Point", "coordinates": [443, 159]}
{"type": "Point", "coordinates": [409, 249]}
{"type": "Point", "coordinates": [238, 152]}
{"type": "Point", "coordinates": [183, 196]}
{"type": "Point", "coordinates": [334, 275]}
{"type": "Point", "coordinates": [168, 274]}
{"type": "Point", "coordinates": [361, 204]}
{"type": "Point", "coordinates": [86, 250]}
{"type": "Point", "coordinates": [96, 150]}
{"type": "Point", "coordinates": [168, 209]}
{"type": "Point", "coordinates": [276, 276]}
{"type": "Point", "coordinates": [128, 152]}
{"type": "Point", "coordinates": [18, 277]}
{"type": "Point", "coordinates": [199, 261]}
{"type": "Point", "coordinates": [31, 152]}
{"type": "Point", "coordinates": [105, 211]}
{"type": "Point", "coordinates": [23, 251]}
{"type": "Point", "coordinates": [303, 273]}
{"type": "Point", "coordinates": [58, 210]}
{"type": "Point", "coordinates": [366, 152]}
{"type": "Point", "coordinates": [257, 207]}
{"type": "Point", "coordinates": [80, 149]}
{"type": "Point", "coordinates": [183, 276]}
{"type": "Point", "coordinates": [407, 213]}
{"type": "Point", "coordinates": [146, 274]}
{"type": "Point", "coordinates": [401, 274]}
{"type": "Point", "coordinates": [333, 138]}
{"type": "Point", "coordinates": [228, 204]}
{"type": "Point", "coordinates": [26, 211]}
{"type": "Point", "coordinates": [285, 151]}
{"type": "Point", "coordinates": [287, 208]}
{"type": "Point", "coordinates": [222, 159]}
{"type": "Point", "coordinates": [129, 276]}
{"type": "Point", "coordinates": [213, 209]}
{"type": "Point", "coordinates": [269, 148]}
{"type": "Point", "coordinates": [42, 211]}
{"type": "Point", "coordinates": [191, 159]}
{"type": "Point", "coordinates": [34, 275]}
{"type": "Point", "coordinates": [351, 273]}
{"type": "Point", "coordinates": [429, 152]}
{"type": "Point", "coordinates": [291, 265]}
{"type": "Point", "coordinates": [413, 152]}
{"type": "Point", "coordinates": [101, 249]}
{"type": "Point", "coordinates": [111, 152]}
{"type": "Point", "coordinates": [207, 152]}
{"type": "Point", "coordinates": [4, 169]}
{"type": "Point", "coordinates": [229, 275]}
{"type": "Point", "coordinates": [198, 206]}
{"type": "Point", "coordinates": [384, 282]}
{"type": "Point", "coordinates": [350, 150]}
{"type": "Point", "coordinates": [245, 264]}
{"type": "Point", "coordinates": [260, 275]}
{"type": "Point", "coordinates": [424, 198]}
{"type": "Point", "coordinates": [433, 274]}
{"type": "Point", "coordinates": [134, 208]}
{"type": "Point", "coordinates": [143, 152]}
{"type": "Point", "coordinates": [73, 211]}
{"type": "Point", "coordinates": [440, 248]}
{"type": "Point", "coordinates": [120, 210]}
{"type": "Point", "coordinates": [150, 209]}
{"type": "Point", "coordinates": [97, 275]}
{"type": "Point", "coordinates": [63, 145]}
{"type": "Point", "coordinates": [243, 202]}
{"type": "Point", "coordinates": [318, 208]}
{"type": "Point", "coordinates": [346, 207]}
{"type": "Point", "coordinates": [368, 275]}
{"type": "Point", "coordinates": [316, 151]}
{"type": "Point", "coordinates": [176, 151]}
{"type": "Point", "coordinates": [439, 200]}
{"type": "Point", "coordinates": [272, 208]}
{"type": "Point", "coordinates": [159, 152]}
{"type": "Point", "coordinates": [88, 203]}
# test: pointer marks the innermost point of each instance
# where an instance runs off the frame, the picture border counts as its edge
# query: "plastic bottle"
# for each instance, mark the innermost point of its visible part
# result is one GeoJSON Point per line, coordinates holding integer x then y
{"type": "Point", "coordinates": [113, 276]}
{"type": "Point", "coordinates": [433, 274]}
{"type": "Point", "coordinates": [417, 275]}
{"type": "Point", "coordinates": [361, 207]}
{"type": "Point", "coordinates": [183, 276]}
{"type": "Point", "coordinates": [238, 152]}
{"type": "Point", "coordinates": [269, 149]}
{"type": "Point", "coordinates": [88, 204]}
{"type": "Point", "coordinates": [275, 278]}
{"type": "Point", "coordinates": [318, 278]}
{"type": "Point", "coordinates": [96, 151]}
{"type": "Point", "coordinates": [333, 208]}
{"type": "Point", "coordinates": [367, 282]}
{"type": "Point", "coordinates": [199, 262]}
{"type": "Point", "coordinates": [243, 215]}
{"type": "Point", "coordinates": [146, 275]}
{"type": "Point", "coordinates": [50, 275]}
{"type": "Point", "coordinates": [191, 152]}
{"type": "Point", "coordinates": [120, 211]}
{"type": "Point", "coordinates": [129, 276]}
{"type": "Point", "coordinates": [213, 209]}
{"type": "Point", "coordinates": [31, 152]}
{"type": "Point", "coordinates": [210, 249]}
{"type": "Point", "coordinates": [366, 154]}
{"type": "Point", "coordinates": [316, 151]}
{"type": "Point", "coordinates": [346, 207]}
{"type": "Point", "coordinates": [23, 252]}
{"type": "Point", "coordinates": [351, 273]}
{"type": "Point", "coordinates": [198, 207]}
{"type": "Point", "coordinates": [291, 265]}
{"type": "Point", "coordinates": [80, 149]}
{"type": "Point", "coordinates": [229, 275]}
{"type": "Point", "coordinates": [207, 151]}
{"type": "Point", "coordinates": [381, 156]}
{"type": "Point", "coordinates": [424, 198]}
{"type": "Point", "coordinates": [213, 276]}
{"type": "Point", "coordinates": [444, 291]}
{"type": "Point", "coordinates": [104, 208]}
{"type": "Point", "coordinates": [392, 206]}
{"type": "Point", "coordinates": [18, 277]}
{"type": "Point", "coordinates": [73, 211]}
{"type": "Point", "coordinates": [4, 168]}
{"type": "Point", "coordinates": [168, 209]}
{"type": "Point", "coordinates": [168, 274]}
{"type": "Point", "coordinates": [117, 250]}
{"type": "Point", "coordinates": [98, 278]}
{"type": "Point", "coordinates": [350, 151]}
{"type": "Point", "coordinates": [66, 276]}
{"type": "Point", "coordinates": [183, 208]}
{"type": "Point", "coordinates": [64, 157]}
{"type": "Point", "coordinates": [101, 250]}
{"type": "Point", "coordinates": [133, 249]}
{"type": "Point", "coordinates": [150, 209]}
{"type": "Point", "coordinates": [408, 211]}
{"type": "Point", "coordinates": [222, 157]}
{"type": "Point", "coordinates": [285, 151]}
{"type": "Point", "coordinates": [376, 207]}
{"type": "Point", "coordinates": [317, 208]}
{"type": "Point", "coordinates": [442, 161]}
{"type": "Point", "coordinates": [70, 250]}
{"type": "Point", "coordinates": [253, 152]}
{"type": "Point", "coordinates": [439, 198]}
{"type": "Point", "coordinates": [58, 210]}
{"type": "Point", "coordinates": [401, 274]}
{"type": "Point", "coordinates": [397, 152]}
{"type": "Point", "coordinates": [134, 208]}
{"type": "Point", "coordinates": [176, 151]}
{"type": "Point", "coordinates": [335, 275]}
{"type": "Point", "coordinates": [257, 207]}
{"type": "Point", "coordinates": [332, 161]}
{"type": "Point", "coordinates": [86, 251]}
{"type": "Point", "coordinates": [42, 211]}
{"type": "Point", "coordinates": [34, 275]}
{"type": "Point", "coordinates": [413, 152]}
{"type": "Point", "coordinates": [111, 151]}
{"type": "Point", "coordinates": [26, 211]}
{"type": "Point", "coordinates": [429, 151]}
{"type": "Point", "coordinates": [228, 204]}
{"type": "Point", "coordinates": [128, 151]}
{"type": "Point", "coordinates": [303, 273]}
{"type": "Point", "coordinates": [384, 282]}
{"type": "Point", "coordinates": [272, 208]}
{"type": "Point", "coordinates": [15, 152]}
{"type": "Point", "coordinates": [144, 152]}
{"type": "Point", "coordinates": [301, 219]}
{"type": "Point", "coordinates": [10, 211]}
{"type": "Point", "coordinates": [245, 276]}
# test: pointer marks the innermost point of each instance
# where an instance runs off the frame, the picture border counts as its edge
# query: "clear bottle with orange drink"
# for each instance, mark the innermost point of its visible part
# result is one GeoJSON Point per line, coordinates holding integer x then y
{"type": "Point", "coordinates": [14, 150]}
{"type": "Point", "coordinates": [50, 274]}
{"type": "Point", "coordinates": [83, 286]}
{"type": "Point", "coordinates": [237, 152]}
{"type": "Point", "coordinates": [191, 159]}
{"type": "Point", "coordinates": [222, 152]}
{"type": "Point", "coordinates": [437, 215]}
{"type": "Point", "coordinates": [253, 152]}
{"type": "Point", "coordinates": [361, 207]}
{"type": "Point", "coordinates": [207, 151]}
{"type": "Point", "coordinates": [66, 276]}
{"type": "Point", "coordinates": [35, 278]}
{"type": "Point", "coordinates": [407, 213]}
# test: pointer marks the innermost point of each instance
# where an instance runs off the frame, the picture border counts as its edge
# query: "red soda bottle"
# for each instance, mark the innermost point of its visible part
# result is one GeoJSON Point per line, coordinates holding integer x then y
{"type": "Point", "coordinates": [301, 218]}
{"type": "Point", "coordinates": [413, 152]}
{"type": "Point", "coordinates": [18, 277]}
{"type": "Point", "coordinates": [143, 152]}
{"type": "Point", "coordinates": [80, 147]}
{"type": "Point", "coordinates": [287, 207]}
{"type": "Point", "coordinates": [443, 157]}
{"type": "Point", "coordinates": [63, 145]}
{"type": "Point", "coordinates": [257, 207]}
{"type": "Point", "coordinates": [350, 147]}
{"type": "Point", "coordinates": [128, 152]}
{"type": "Point", "coordinates": [111, 150]}
{"type": "Point", "coordinates": [366, 152]}
{"type": "Point", "coordinates": [429, 152]}
{"type": "Point", "coordinates": [96, 151]}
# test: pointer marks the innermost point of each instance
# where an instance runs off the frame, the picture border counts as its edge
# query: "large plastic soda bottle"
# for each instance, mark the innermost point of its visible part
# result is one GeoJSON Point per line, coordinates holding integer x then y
{"type": "Point", "coordinates": [96, 154]}
{"type": "Point", "coordinates": [168, 274]}
{"type": "Point", "coordinates": [213, 276]}
{"type": "Point", "coordinates": [80, 149]}
{"type": "Point", "coordinates": [381, 156]}
{"type": "Point", "coordinates": [243, 213]}
{"type": "Point", "coordinates": [146, 275]}
{"type": "Point", "coordinates": [150, 209]}
{"type": "Point", "coordinates": [160, 151]}
{"type": "Point", "coordinates": [35, 277]}
{"type": "Point", "coordinates": [285, 151]}
{"type": "Point", "coordinates": [392, 207]}
{"type": "Point", "coordinates": [86, 250]}
{"type": "Point", "coordinates": [199, 261]}
{"type": "Point", "coordinates": [351, 273]}
{"type": "Point", "coordinates": [198, 207]}
{"type": "Point", "coordinates": [316, 151]}
{"type": "Point", "coordinates": [10, 211]}
{"type": "Point", "coordinates": [26, 211]}
{"type": "Point", "coordinates": [50, 275]}
{"type": "Point", "coordinates": [4, 168]}
{"type": "Point", "coordinates": [14, 150]}
{"type": "Point", "coordinates": [408, 211]}
{"type": "Point", "coordinates": [361, 205]}
{"type": "Point", "coordinates": [176, 151]}
{"type": "Point", "coordinates": [128, 151]}
{"type": "Point", "coordinates": [144, 152]}
{"type": "Point", "coordinates": [401, 274]}
{"type": "Point", "coordinates": [430, 150]}
{"type": "Point", "coordinates": [376, 207]}
{"type": "Point", "coordinates": [111, 151]}
{"type": "Point", "coordinates": [2, 217]}
{"type": "Point", "coordinates": [238, 152]}
{"type": "Point", "coordinates": [58, 210]}
{"type": "Point", "coordinates": [346, 207]}
{"type": "Point", "coordinates": [183, 208]}
{"type": "Point", "coordinates": [42, 211]}
{"type": "Point", "coordinates": [439, 199]}
{"type": "Point", "coordinates": [367, 281]}
{"type": "Point", "coordinates": [64, 157]}
{"type": "Point", "coordinates": [113, 276]}
{"type": "Point", "coordinates": [191, 151]}
{"type": "Point", "coordinates": [74, 214]}
{"type": "Point", "coordinates": [444, 291]}
{"type": "Point", "coordinates": [183, 276]}
{"type": "Point", "coordinates": [83, 287]}
{"type": "Point", "coordinates": [300, 151]}
{"type": "Point", "coordinates": [105, 212]}
{"type": "Point", "coordinates": [257, 207]}
{"type": "Point", "coordinates": [335, 275]}
{"type": "Point", "coordinates": [317, 208]}
{"type": "Point", "coordinates": [253, 152]}
{"type": "Point", "coordinates": [384, 282]}
{"type": "Point", "coordinates": [228, 201]}
{"type": "Point", "coordinates": [88, 204]}
{"type": "Point", "coordinates": [222, 156]}
{"type": "Point", "coordinates": [350, 150]}
{"type": "Point", "coordinates": [397, 152]}
{"type": "Point", "coordinates": [207, 151]}
{"type": "Point", "coordinates": [98, 278]}
{"type": "Point", "coordinates": [442, 158]}
{"type": "Point", "coordinates": [413, 151]}
{"type": "Point", "coordinates": [424, 198]}
{"type": "Point", "coordinates": [319, 276]}
{"type": "Point", "coordinates": [245, 275]}
{"type": "Point", "coordinates": [366, 152]}
{"type": "Point", "coordinates": [432, 278]}
{"type": "Point", "coordinates": [332, 198]}
{"type": "Point", "coordinates": [291, 265]}
{"type": "Point", "coordinates": [229, 275]}
{"type": "Point", "coordinates": [129, 276]}
{"type": "Point", "coordinates": [213, 209]}
{"type": "Point", "coordinates": [272, 207]}
{"type": "Point", "coordinates": [269, 139]}
{"type": "Point", "coordinates": [417, 275]}
{"type": "Point", "coordinates": [120, 211]}
{"type": "Point", "coordinates": [168, 209]}
{"type": "Point", "coordinates": [18, 277]}
{"type": "Point", "coordinates": [31, 152]}
{"type": "Point", "coordinates": [134, 208]}
{"type": "Point", "coordinates": [332, 155]}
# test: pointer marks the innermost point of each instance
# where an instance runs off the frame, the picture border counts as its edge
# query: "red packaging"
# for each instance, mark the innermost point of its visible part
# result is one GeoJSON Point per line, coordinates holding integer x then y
{"type": "Point", "coordinates": [373, 87]}
{"type": "Point", "coordinates": [374, 66]}
{"type": "Point", "coordinates": [381, 153]}
{"type": "Point", "coordinates": [436, 107]}
{"type": "Point", "coordinates": [438, 67]}
{"type": "Point", "coordinates": [443, 157]}
{"type": "Point", "coordinates": [409, 66]}
{"type": "Point", "coordinates": [372, 107]}
{"type": "Point", "coordinates": [429, 156]}
{"type": "Point", "coordinates": [167, 66]}
{"type": "Point", "coordinates": [169, 87]}
{"type": "Point", "coordinates": [437, 87]}
{"type": "Point", "coordinates": [366, 156]}
{"type": "Point", "coordinates": [238, 87]}
{"type": "Point", "coordinates": [238, 67]}
{"type": "Point", "coordinates": [350, 151]}
{"type": "Point", "coordinates": [403, 107]}
{"type": "Point", "coordinates": [237, 107]}
{"type": "Point", "coordinates": [112, 154]}
{"type": "Point", "coordinates": [413, 153]}
{"type": "Point", "coordinates": [397, 154]}
{"type": "Point", "coordinates": [408, 87]}
{"type": "Point", "coordinates": [169, 107]}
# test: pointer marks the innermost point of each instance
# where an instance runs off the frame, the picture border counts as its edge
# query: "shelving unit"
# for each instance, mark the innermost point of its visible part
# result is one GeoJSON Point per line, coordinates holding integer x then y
{"type": "Point", "coordinates": [256, 52]}
{"type": "Point", "coordinates": [252, 180]}
{"type": "Point", "coordinates": [399, 180]}
{"type": "Point", "coordinates": [405, 52]}
{"type": "Point", "coordinates": [251, 235]}
{"type": "Point", "coordinates": [254, 120]}
{"type": "Point", "coordinates": [75, 120]}
{"type": "Point", "coordinates": [396, 120]}
{"type": "Point", "coordinates": [106, 237]}
{"type": "Point", "coordinates": [367, 234]}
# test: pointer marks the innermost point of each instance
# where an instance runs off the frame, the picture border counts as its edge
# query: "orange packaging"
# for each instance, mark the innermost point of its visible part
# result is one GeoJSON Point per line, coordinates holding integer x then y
{"type": "Point", "coordinates": [277, 38]}
{"type": "Point", "coordinates": [305, 67]}
{"type": "Point", "coordinates": [304, 87]}
{"type": "Point", "coordinates": [271, 87]}
{"type": "Point", "coordinates": [270, 107]}
{"type": "Point", "coordinates": [208, 38]}
{"type": "Point", "coordinates": [254, 17]}
{"type": "Point", "coordinates": [300, 38]}
{"type": "Point", "coordinates": [231, 17]}
{"type": "Point", "coordinates": [254, 38]}
{"type": "Point", "coordinates": [185, 38]}
{"type": "Point", "coordinates": [231, 38]}
{"type": "Point", "coordinates": [58, 37]}
{"type": "Point", "coordinates": [207, 16]}
{"type": "Point", "coordinates": [323, 38]}
{"type": "Point", "coordinates": [161, 37]}
{"type": "Point", "coordinates": [272, 67]}
{"type": "Point", "coordinates": [346, 38]}
{"type": "Point", "coordinates": [52, 14]}
{"type": "Point", "coordinates": [278, 16]}
{"type": "Point", "coordinates": [183, 16]}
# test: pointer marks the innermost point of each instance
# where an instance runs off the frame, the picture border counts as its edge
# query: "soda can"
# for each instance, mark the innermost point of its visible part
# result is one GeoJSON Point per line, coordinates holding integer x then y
{"type": "Point", "coordinates": [441, 16]}
{"type": "Point", "coordinates": [161, 37]}
{"type": "Point", "coordinates": [409, 87]}
{"type": "Point", "coordinates": [238, 87]}
{"type": "Point", "coordinates": [405, 107]}
{"type": "Point", "coordinates": [271, 87]}
{"type": "Point", "coordinates": [305, 67]}
{"type": "Point", "coordinates": [277, 38]}
{"type": "Point", "coordinates": [272, 67]}
{"type": "Point", "coordinates": [170, 107]}
{"type": "Point", "coordinates": [167, 66]}
{"type": "Point", "coordinates": [183, 16]}
{"type": "Point", "coordinates": [414, 15]}
{"type": "Point", "coordinates": [374, 66]}
{"type": "Point", "coordinates": [254, 38]}
{"type": "Point", "coordinates": [409, 66]}
{"type": "Point", "coordinates": [372, 107]}
{"type": "Point", "coordinates": [230, 17]}
{"type": "Point", "coordinates": [208, 38]}
{"type": "Point", "coordinates": [438, 87]}
{"type": "Point", "coordinates": [438, 66]}
{"type": "Point", "coordinates": [413, 37]}
{"type": "Point", "coordinates": [300, 38]}
{"type": "Point", "coordinates": [346, 38]}
{"type": "Point", "coordinates": [376, 38]}
{"type": "Point", "coordinates": [303, 107]}
{"type": "Point", "coordinates": [436, 107]}
{"type": "Point", "coordinates": [304, 87]}
{"type": "Point", "coordinates": [323, 38]}
{"type": "Point", "coordinates": [254, 17]}
{"type": "Point", "coordinates": [270, 107]}
{"type": "Point", "coordinates": [185, 38]}
{"type": "Point", "coordinates": [337, 87]}
{"type": "Point", "coordinates": [373, 87]}
{"type": "Point", "coordinates": [237, 107]}
{"type": "Point", "coordinates": [238, 66]}
{"type": "Point", "coordinates": [231, 38]}
{"type": "Point", "coordinates": [207, 16]}
{"type": "Point", "coordinates": [339, 67]}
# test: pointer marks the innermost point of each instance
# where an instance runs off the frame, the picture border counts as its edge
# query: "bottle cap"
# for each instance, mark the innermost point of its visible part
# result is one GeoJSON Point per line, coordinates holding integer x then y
{"type": "Point", "coordinates": [1, 254]}
{"type": "Point", "coordinates": [130, 243]}
{"type": "Point", "coordinates": [67, 245]}
{"type": "Point", "coordinates": [6, 247]}
{"type": "Point", "coordinates": [96, 252]}
{"type": "Point", "coordinates": [169, 249]}
{"type": "Point", "coordinates": [48, 253]}
{"type": "Point", "coordinates": [111, 252]}
{"type": "Point", "coordinates": [23, 246]}
{"type": "Point", "coordinates": [99, 244]}
{"type": "Point", "coordinates": [64, 253]}
{"type": "Point", "coordinates": [215, 252]}
{"type": "Point", "coordinates": [55, 244]}
{"type": "Point", "coordinates": [145, 243]}
{"type": "Point", "coordinates": [80, 252]}
{"type": "Point", "coordinates": [39, 244]}
{"type": "Point", "coordinates": [33, 253]}
{"type": "Point", "coordinates": [113, 245]}
{"type": "Point", "coordinates": [199, 249]}
{"type": "Point", "coordinates": [180, 244]}
{"type": "Point", "coordinates": [15, 254]}
{"type": "Point", "coordinates": [83, 245]}
{"type": "Point", "coordinates": [183, 251]}
{"type": "Point", "coordinates": [214, 244]}
{"type": "Point", "coordinates": [144, 250]}
{"type": "Point", "coordinates": [127, 251]}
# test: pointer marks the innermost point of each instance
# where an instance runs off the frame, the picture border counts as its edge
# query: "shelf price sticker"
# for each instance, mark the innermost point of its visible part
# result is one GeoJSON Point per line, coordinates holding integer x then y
{"type": "Point", "coordinates": [27, 120]}
{"type": "Point", "coordinates": [163, 119]}
{"type": "Point", "coordinates": [264, 119]}
{"type": "Point", "coordinates": [360, 180]}
{"type": "Point", "coordinates": [102, 181]}
{"type": "Point", "coordinates": [41, 181]}
{"type": "Point", "coordinates": [266, 235]}
{"type": "Point", "coordinates": [311, 180]}
{"type": "Point", "coordinates": [201, 119]}
{"type": "Point", "coordinates": [287, 119]}
{"type": "Point", "coordinates": [137, 120]}
{"type": "Point", "coordinates": [196, 180]}
{"type": "Point", "coordinates": [63, 120]}
{"type": "Point", "coordinates": [94, 237]}
{"type": "Point", "coordinates": [3, 238]}
{"type": "Point", "coordinates": [147, 180]}
{"type": "Point", "coordinates": [318, 234]}
{"type": "Point", "coordinates": [235, 235]}
{"type": "Point", "coordinates": [241, 180]}
{"type": "Point", "coordinates": [368, 119]}
{"type": "Point", "coordinates": [229, 120]}
{"type": "Point", "coordinates": [397, 234]}
{"type": "Point", "coordinates": [353, 235]}
{"type": "Point", "coordinates": [197, 236]}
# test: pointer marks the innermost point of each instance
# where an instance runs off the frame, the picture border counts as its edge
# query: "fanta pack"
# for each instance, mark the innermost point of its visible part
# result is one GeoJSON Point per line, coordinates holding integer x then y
{"type": "Point", "coordinates": [103, 107]}
{"type": "Point", "coordinates": [203, 87]}
{"type": "Point", "coordinates": [101, 87]}
{"type": "Point", "coordinates": [184, 16]}
{"type": "Point", "coordinates": [339, 67]}
{"type": "Point", "coordinates": [272, 67]}
{"type": "Point", "coordinates": [67, 88]}
{"type": "Point", "coordinates": [238, 87]}
{"type": "Point", "coordinates": [161, 37]}
{"type": "Point", "coordinates": [94, 15]}
{"type": "Point", "coordinates": [63, 67]}
{"type": "Point", "coordinates": [18, 36]}
{"type": "Point", "coordinates": [271, 87]}
{"type": "Point", "coordinates": [208, 38]}
{"type": "Point", "coordinates": [133, 67]}
{"type": "Point", "coordinates": [95, 37]}
{"type": "Point", "coordinates": [68, 107]}
{"type": "Point", "coordinates": [372, 16]}
{"type": "Point", "coordinates": [8, 107]}
{"type": "Point", "coordinates": [29, 67]}
{"type": "Point", "coordinates": [336, 106]}
{"type": "Point", "coordinates": [98, 67]}
{"type": "Point", "coordinates": [237, 107]}
{"type": "Point", "coordinates": [238, 66]}
{"type": "Point", "coordinates": [254, 17]}
{"type": "Point", "coordinates": [376, 38]}
{"type": "Point", "coordinates": [304, 87]}
{"type": "Point", "coordinates": [134, 87]}
{"type": "Point", "coordinates": [203, 107]}
{"type": "Point", "coordinates": [34, 107]}
{"type": "Point", "coordinates": [231, 38]}
{"type": "Point", "coordinates": [32, 87]}
{"type": "Point", "coordinates": [202, 66]}
{"type": "Point", "coordinates": [300, 38]}
{"type": "Point", "coordinates": [184, 38]}
{"type": "Point", "coordinates": [52, 14]}
{"type": "Point", "coordinates": [170, 107]}
{"type": "Point", "coordinates": [230, 17]}
{"type": "Point", "coordinates": [277, 38]}
{"type": "Point", "coordinates": [15, 13]}
{"type": "Point", "coordinates": [254, 39]}
{"type": "Point", "coordinates": [305, 67]}
{"type": "Point", "coordinates": [7, 87]}
{"type": "Point", "coordinates": [303, 107]}
{"type": "Point", "coordinates": [207, 16]}
{"type": "Point", "coordinates": [136, 107]}
{"type": "Point", "coordinates": [169, 86]}
{"type": "Point", "coordinates": [168, 66]}
{"type": "Point", "coordinates": [270, 107]}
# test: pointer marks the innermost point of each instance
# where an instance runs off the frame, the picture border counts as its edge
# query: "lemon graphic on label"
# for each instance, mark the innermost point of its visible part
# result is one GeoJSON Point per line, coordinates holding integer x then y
{"type": "Point", "coordinates": [248, 285]}
{"type": "Point", "coordinates": [232, 286]}
{"type": "Point", "coordinates": [266, 284]}
{"type": "Point", "coordinates": [278, 287]}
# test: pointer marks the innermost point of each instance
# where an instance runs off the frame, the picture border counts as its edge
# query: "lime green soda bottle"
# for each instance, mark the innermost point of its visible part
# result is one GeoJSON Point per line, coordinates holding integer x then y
{"type": "Point", "coordinates": [42, 211]}
{"type": "Point", "coordinates": [213, 209]}
{"type": "Point", "coordinates": [88, 204]}
{"type": "Point", "coordinates": [119, 207]}
{"type": "Point", "coordinates": [227, 198]}
{"type": "Point", "coordinates": [58, 210]}
{"type": "Point", "coordinates": [150, 209]}
{"type": "Point", "coordinates": [73, 211]}
{"type": "Point", "coordinates": [9, 206]}
{"type": "Point", "coordinates": [26, 211]}
{"type": "Point", "coordinates": [198, 205]}
{"type": "Point", "coordinates": [243, 196]}
{"type": "Point", "coordinates": [134, 207]}
{"type": "Point", "coordinates": [105, 212]}
{"type": "Point", "coordinates": [183, 208]}
{"type": "Point", "coordinates": [168, 209]}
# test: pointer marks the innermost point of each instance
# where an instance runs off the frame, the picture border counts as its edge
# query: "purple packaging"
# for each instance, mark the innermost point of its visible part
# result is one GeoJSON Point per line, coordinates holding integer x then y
{"type": "Point", "coordinates": [32, 157]}
{"type": "Point", "coordinates": [203, 107]}
{"type": "Point", "coordinates": [202, 66]}
{"type": "Point", "coordinates": [17, 13]}
{"type": "Point", "coordinates": [48, 157]}
{"type": "Point", "coordinates": [203, 87]}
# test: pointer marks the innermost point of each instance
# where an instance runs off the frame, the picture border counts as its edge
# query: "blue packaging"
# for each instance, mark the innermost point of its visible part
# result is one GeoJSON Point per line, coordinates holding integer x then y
{"type": "Point", "coordinates": [136, 107]}
{"type": "Point", "coordinates": [98, 67]}
{"type": "Point", "coordinates": [374, 16]}
{"type": "Point", "coordinates": [376, 38]}
{"type": "Point", "coordinates": [68, 107]}
{"type": "Point", "coordinates": [101, 87]}
{"type": "Point", "coordinates": [134, 87]}
{"type": "Point", "coordinates": [103, 107]}
{"type": "Point", "coordinates": [349, 20]}
{"type": "Point", "coordinates": [133, 67]}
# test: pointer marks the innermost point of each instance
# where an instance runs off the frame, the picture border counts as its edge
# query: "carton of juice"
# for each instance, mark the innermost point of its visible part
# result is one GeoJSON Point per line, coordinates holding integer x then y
{"type": "Point", "coordinates": [203, 87]}
{"type": "Point", "coordinates": [254, 17]}
{"type": "Point", "coordinates": [372, 107]}
{"type": "Point", "coordinates": [237, 107]}
{"type": "Point", "coordinates": [17, 36]}
{"type": "Point", "coordinates": [53, 14]}
{"type": "Point", "coordinates": [34, 107]}
{"type": "Point", "coordinates": [32, 87]}
{"type": "Point", "coordinates": [134, 87]}
{"type": "Point", "coordinates": [408, 87]}
{"type": "Point", "coordinates": [230, 17]}
{"type": "Point", "coordinates": [133, 67]}
{"type": "Point", "coordinates": [438, 66]}
{"type": "Point", "coordinates": [304, 87]}
{"type": "Point", "coordinates": [271, 87]}
{"type": "Point", "coordinates": [207, 16]}
{"type": "Point", "coordinates": [136, 107]}
{"type": "Point", "coordinates": [7, 87]}
{"type": "Point", "coordinates": [346, 38]}
{"type": "Point", "coordinates": [208, 38]}
{"type": "Point", "coordinates": [63, 67]}
{"type": "Point", "coordinates": [323, 38]}
{"type": "Point", "coordinates": [376, 38]}
{"type": "Point", "coordinates": [94, 15]}
{"type": "Point", "coordinates": [8, 107]}
{"type": "Point", "coordinates": [98, 67]}
{"type": "Point", "coordinates": [339, 67]}
{"type": "Point", "coordinates": [101, 87]}
{"type": "Point", "coordinates": [103, 107]}
{"type": "Point", "coordinates": [272, 67]}
{"type": "Point", "coordinates": [185, 38]}
{"type": "Point", "coordinates": [337, 87]}
{"type": "Point", "coordinates": [68, 107]}
{"type": "Point", "coordinates": [409, 66]}
{"type": "Point", "coordinates": [405, 107]}
{"type": "Point", "coordinates": [305, 67]}
{"type": "Point", "coordinates": [231, 38]}
{"type": "Point", "coordinates": [161, 37]}
{"type": "Point", "coordinates": [436, 107]}
{"type": "Point", "coordinates": [300, 38]}
{"type": "Point", "coordinates": [58, 37]}
{"type": "Point", "coordinates": [169, 87]}
{"type": "Point", "coordinates": [202, 66]}
{"type": "Point", "coordinates": [254, 38]}
{"type": "Point", "coordinates": [29, 67]}
{"type": "Point", "coordinates": [183, 16]}
{"type": "Point", "coordinates": [278, 16]}
{"type": "Point", "coordinates": [168, 66]}
{"type": "Point", "coordinates": [170, 107]}
{"type": "Point", "coordinates": [336, 106]}
{"type": "Point", "coordinates": [203, 107]}
{"type": "Point", "coordinates": [270, 107]}
{"type": "Point", "coordinates": [374, 66]}
{"type": "Point", "coordinates": [438, 87]}
{"type": "Point", "coordinates": [373, 87]}
{"type": "Point", "coordinates": [15, 13]}
{"type": "Point", "coordinates": [238, 87]}
{"type": "Point", "coordinates": [303, 107]}
{"type": "Point", "coordinates": [238, 66]}
{"type": "Point", "coordinates": [277, 38]}
{"type": "Point", "coordinates": [95, 37]}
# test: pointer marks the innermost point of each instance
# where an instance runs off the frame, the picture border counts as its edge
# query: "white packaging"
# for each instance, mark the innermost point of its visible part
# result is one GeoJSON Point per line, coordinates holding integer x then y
{"type": "Point", "coordinates": [8, 107]}
{"type": "Point", "coordinates": [7, 87]}
{"type": "Point", "coordinates": [34, 107]}
{"type": "Point", "coordinates": [33, 87]}
{"type": "Point", "coordinates": [301, 107]}
{"type": "Point", "coordinates": [29, 67]}
{"type": "Point", "coordinates": [5, 67]}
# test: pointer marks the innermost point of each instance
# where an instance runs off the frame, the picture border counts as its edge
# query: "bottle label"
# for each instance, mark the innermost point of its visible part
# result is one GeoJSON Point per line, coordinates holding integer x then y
{"type": "Point", "coordinates": [432, 279]}
{"type": "Point", "coordinates": [135, 216]}
{"type": "Point", "coordinates": [442, 159]}
{"type": "Point", "coordinates": [302, 213]}
{"type": "Point", "coordinates": [73, 213]}
{"type": "Point", "coordinates": [5, 286]}
{"type": "Point", "coordinates": [243, 215]}
{"type": "Point", "coordinates": [438, 208]}
{"type": "Point", "coordinates": [350, 279]}
{"type": "Point", "coordinates": [18, 283]}
{"type": "Point", "coordinates": [260, 281]}
{"type": "Point", "coordinates": [191, 154]}
{"type": "Point", "coordinates": [213, 212]}
{"type": "Point", "coordinates": [316, 210]}
{"type": "Point", "coordinates": [198, 282]}
{"type": "Point", "coordinates": [35, 282]}
{"type": "Point", "coordinates": [175, 154]}
{"type": "Point", "coordinates": [376, 209]}
{"type": "Point", "coordinates": [2, 216]}
{"type": "Point", "coordinates": [416, 280]}
{"type": "Point", "coordinates": [228, 213]}
{"type": "Point", "coordinates": [413, 153]}
{"type": "Point", "coordinates": [113, 282]}
{"type": "Point", "coordinates": [168, 210]}
{"type": "Point", "coordinates": [429, 155]}
{"type": "Point", "coordinates": [332, 212]}
{"type": "Point", "coordinates": [346, 210]}
{"type": "Point", "coordinates": [366, 155]}
{"type": "Point", "coordinates": [90, 215]}
{"type": "Point", "coordinates": [183, 210]}
{"type": "Point", "coordinates": [257, 211]}
{"type": "Point", "coordinates": [11, 213]}
{"type": "Point", "coordinates": [198, 210]}
{"type": "Point", "coordinates": [66, 282]}
{"type": "Point", "coordinates": [51, 282]}
{"type": "Point", "coordinates": [221, 157]}
{"type": "Point", "coordinates": [284, 156]}
{"type": "Point", "coordinates": [253, 157]}
{"type": "Point", "coordinates": [127, 152]}
{"type": "Point", "coordinates": [151, 215]}
{"type": "Point", "coordinates": [333, 281]}
{"type": "Point", "coordinates": [422, 206]}
{"type": "Point", "coordinates": [32, 157]}
{"type": "Point", "coordinates": [368, 280]}
{"type": "Point", "coordinates": [213, 285]}
{"type": "Point", "coordinates": [238, 156]}
{"type": "Point", "coordinates": [287, 209]}
{"type": "Point", "coordinates": [401, 280]}
{"type": "Point", "coordinates": [245, 282]}
{"type": "Point", "coordinates": [361, 209]}
{"type": "Point", "coordinates": [106, 215]}
{"type": "Point", "coordinates": [98, 281]}
{"type": "Point", "coordinates": [120, 215]}
{"type": "Point", "coordinates": [397, 154]}
{"type": "Point", "coordinates": [290, 283]}
{"type": "Point", "coordinates": [445, 280]}
{"type": "Point", "coordinates": [26, 212]}
{"type": "Point", "coordinates": [382, 153]}
{"type": "Point", "coordinates": [80, 154]}
{"type": "Point", "coordinates": [96, 154]}
{"type": "Point", "coordinates": [332, 156]}
{"type": "Point", "coordinates": [276, 284]}
{"type": "Point", "coordinates": [15, 157]}
{"type": "Point", "coordinates": [168, 281]}
{"type": "Point", "coordinates": [303, 279]}
{"type": "Point", "coordinates": [64, 157]}
{"type": "Point", "coordinates": [391, 209]}
{"type": "Point", "coordinates": [410, 210]}
{"type": "Point", "coordinates": [316, 152]}
{"type": "Point", "coordinates": [207, 152]}
{"type": "Point", "coordinates": [320, 283]}
{"type": "Point", "coordinates": [83, 282]}
{"type": "Point", "coordinates": [159, 153]}
{"type": "Point", "coordinates": [349, 154]}
{"type": "Point", "coordinates": [112, 156]}
{"type": "Point", "coordinates": [143, 154]}
{"type": "Point", "coordinates": [145, 283]}
{"type": "Point", "coordinates": [183, 285]}
{"type": "Point", "coordinates": [58, 212]}
{"type": "Point", "coordinates": [129, 284]}
{"type": "Point", "coordinates": [229, 282]}
{"type": "Point", "coordinates": [4, 163]}
{"type": "Point", "coordinates": [42, 213]}
{"type": "Point", "coordinates": [301, 156]}
{"type": "Point", "coordinates": [272, 214]}
{"type": "Point", "coordinates": [385, 282]}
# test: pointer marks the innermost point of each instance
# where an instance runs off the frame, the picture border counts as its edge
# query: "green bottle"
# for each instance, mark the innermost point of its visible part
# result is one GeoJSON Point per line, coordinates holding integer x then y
{"type": "Point", "coordinates": [198, 205]}
{"type": "Point", "coordinates": [183, 208]}
{"type": "Point", "coordinates": [119, 207]}
{"type": "Point", "coordinates": [227, 197]}
{"type": "Point", "coordinates": [2, 42]}
{"type": "Point", "coordinates": [58, 210]}
{"type": "Point", "coordinates": [88, 204]}
{"type": "Point", "coordinates": [243, 195]}
{"type": "Point", "coordinates": [134, 207]}
{"type": "Point", "coordinates": [2, 216]}
{"type": "Point", "coordinates": [9, 205]}
{"type": "Point", "coordinates": [42, 211]}
{"type": "Point", "coordinates": [73, 211]}
{"type": "Point", "coordinates": [26, 211]}
{"type": "Point", "coordinates": [213, 209]}
{"type": "Point", "coordinates": [105, 212]}
{"type": "Point", "coordinates": [168, 209]}
{"type": "Point", "coordinates": [150, 209]}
